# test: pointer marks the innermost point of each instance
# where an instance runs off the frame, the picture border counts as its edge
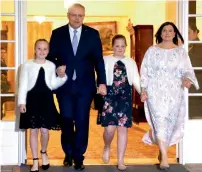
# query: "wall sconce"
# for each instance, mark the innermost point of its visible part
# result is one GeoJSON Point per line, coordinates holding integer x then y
{"type": "Point", "coordinates": [40, 19]}
{"type": "Point", "coordinates": [68, 3]}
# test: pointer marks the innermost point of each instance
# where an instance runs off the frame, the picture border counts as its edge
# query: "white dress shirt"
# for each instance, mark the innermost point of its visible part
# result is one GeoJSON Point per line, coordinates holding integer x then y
{"type": "Point", "coordinates": [131, 69]}
{"type": "Point", "coordinates": [71, 32]}
{"type": "Point", "coordinates": [29, 74]}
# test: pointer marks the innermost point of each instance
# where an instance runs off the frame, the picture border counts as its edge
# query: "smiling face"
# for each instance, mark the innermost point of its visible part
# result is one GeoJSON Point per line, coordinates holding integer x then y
{"type": "Point", "coordinates": [119, 47]}
{"type": "Point", "coordinates": [76, 16]}
{"type": "Point", "coordinates": [41, 50]}
{"type": "Point", "coordinates": [168, 33]}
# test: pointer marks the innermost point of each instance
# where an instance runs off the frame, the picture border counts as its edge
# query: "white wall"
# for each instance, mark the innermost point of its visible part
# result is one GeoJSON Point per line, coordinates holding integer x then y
{"type": "Point", "coordinates": [8, 144]}
{"type": "Point", "coordinates": [192, 142]}
{"type": "Point", "coordinates": [141, 12]}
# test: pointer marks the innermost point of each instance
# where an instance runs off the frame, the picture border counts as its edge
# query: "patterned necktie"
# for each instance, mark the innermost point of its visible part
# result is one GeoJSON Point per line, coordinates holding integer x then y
{"type": "Point", "coordinates": [74, 46]}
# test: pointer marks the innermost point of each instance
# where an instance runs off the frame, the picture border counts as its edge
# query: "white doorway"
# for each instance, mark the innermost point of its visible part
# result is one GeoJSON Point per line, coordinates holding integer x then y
{"type": "Point", "coordinates": [12, 41]}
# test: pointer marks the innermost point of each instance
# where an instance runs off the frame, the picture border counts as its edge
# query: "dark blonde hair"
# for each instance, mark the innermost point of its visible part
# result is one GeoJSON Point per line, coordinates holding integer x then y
{"type": "Point", "coordinates": [40, 40]}
{"type": "Point", "coordinates": [118, 36]}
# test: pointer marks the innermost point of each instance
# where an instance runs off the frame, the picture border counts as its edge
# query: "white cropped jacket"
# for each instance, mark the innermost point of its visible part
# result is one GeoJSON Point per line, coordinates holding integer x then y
{"type": "Point", "coordinates": [29, 74]}
{"type": "Point", "coordinates": [131, 69]}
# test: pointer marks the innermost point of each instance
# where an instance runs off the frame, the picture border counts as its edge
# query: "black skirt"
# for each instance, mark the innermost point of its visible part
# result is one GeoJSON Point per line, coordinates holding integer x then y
{"type": "Point", "coordinates": [40, 107]}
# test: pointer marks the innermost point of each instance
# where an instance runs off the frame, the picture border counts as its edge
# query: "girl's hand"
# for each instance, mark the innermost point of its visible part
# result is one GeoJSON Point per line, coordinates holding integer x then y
{"type": "Point", "coordinates": [61, 71]}
{"type": "Point", "coordinates": [143, 96]}
{"type": "Point", "coordinates": [186, 83]}
{"type": "Point", "coordinates": [23, 108]}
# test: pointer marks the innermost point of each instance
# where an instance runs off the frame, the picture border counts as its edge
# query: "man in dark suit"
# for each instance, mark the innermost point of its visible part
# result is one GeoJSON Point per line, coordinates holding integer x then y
{"type": "Point", "coordinates": [77, 48]}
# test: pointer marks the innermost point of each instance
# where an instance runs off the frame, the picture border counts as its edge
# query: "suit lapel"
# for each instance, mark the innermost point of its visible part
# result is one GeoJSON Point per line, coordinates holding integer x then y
{"type": "Point", "coordinates": [69, 43]}
{"type": "Point", "coordinates": [82, 41]}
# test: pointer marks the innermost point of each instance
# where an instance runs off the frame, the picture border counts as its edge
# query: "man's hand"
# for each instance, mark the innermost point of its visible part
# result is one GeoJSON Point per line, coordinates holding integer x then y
{"type": "Point", "coordinates": [23, 108]}
{"type": "Point", "coordinates": [61, 71]}
{"type": "Point", "coordinates": [102, 89]}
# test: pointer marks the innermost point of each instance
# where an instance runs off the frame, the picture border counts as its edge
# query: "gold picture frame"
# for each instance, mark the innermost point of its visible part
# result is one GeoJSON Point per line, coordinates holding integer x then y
{"type": "Point", "coordinates": [106, 30]}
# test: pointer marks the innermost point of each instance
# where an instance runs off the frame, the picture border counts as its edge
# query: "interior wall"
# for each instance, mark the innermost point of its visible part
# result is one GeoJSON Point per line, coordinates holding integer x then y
{"type": "Point", "coordinates": [140, 12]}
{"type": "Point", "coordinates": [171, 11]}
{"type": "Point", "coordinates": [154, 13]}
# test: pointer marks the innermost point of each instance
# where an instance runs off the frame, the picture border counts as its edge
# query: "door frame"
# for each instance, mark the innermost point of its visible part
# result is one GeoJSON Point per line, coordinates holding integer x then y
{"type": "Point", "coordinates": [191, 140]}
{"type": "Point", "coordinates": [183, 27]}
{"type": "Point", "coordinates": [22, 31]}
{"type": "Point", "coordinates": [11, 128]}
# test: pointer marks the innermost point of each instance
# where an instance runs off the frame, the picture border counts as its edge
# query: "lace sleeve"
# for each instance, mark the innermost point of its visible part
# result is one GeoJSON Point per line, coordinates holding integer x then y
{"type": "Point", "coordinates": [144, 70]}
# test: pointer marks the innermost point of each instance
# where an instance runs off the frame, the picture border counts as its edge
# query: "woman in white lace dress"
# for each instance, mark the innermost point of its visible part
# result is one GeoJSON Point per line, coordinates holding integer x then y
{"type": "Point", "coordinates": [165, 71]}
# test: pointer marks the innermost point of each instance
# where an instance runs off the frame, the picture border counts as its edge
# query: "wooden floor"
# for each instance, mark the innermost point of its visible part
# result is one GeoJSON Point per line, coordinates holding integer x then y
{"type": "Point", "coordinates": [137, 152]}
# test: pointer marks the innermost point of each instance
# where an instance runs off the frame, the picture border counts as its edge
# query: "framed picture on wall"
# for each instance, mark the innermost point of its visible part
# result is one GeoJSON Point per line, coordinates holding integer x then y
{"type": "Point", "coordinates": [106, 30]}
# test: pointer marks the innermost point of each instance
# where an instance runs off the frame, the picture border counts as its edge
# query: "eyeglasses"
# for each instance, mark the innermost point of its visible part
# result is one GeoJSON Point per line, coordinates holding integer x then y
{"type": "Point", "coordinates": [75, 15]}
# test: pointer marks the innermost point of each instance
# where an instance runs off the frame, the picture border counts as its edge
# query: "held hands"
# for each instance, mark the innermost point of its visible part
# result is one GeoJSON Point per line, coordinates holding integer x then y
{"type": "Point", "coordinates": [186, 83]}
{"type": "Point", "coordinates": [23, 108]}
{"type": "Point", "coordinates": [61, 71]}
{"type": "Point", "coordinates": [143, 96]}
{"type": "Point", "coordinates": [102, 90]}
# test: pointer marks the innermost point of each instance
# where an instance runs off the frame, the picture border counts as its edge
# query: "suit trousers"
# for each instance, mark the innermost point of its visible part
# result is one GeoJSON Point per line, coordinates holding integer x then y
{"type": "Point", "coordinates": [75, 110]}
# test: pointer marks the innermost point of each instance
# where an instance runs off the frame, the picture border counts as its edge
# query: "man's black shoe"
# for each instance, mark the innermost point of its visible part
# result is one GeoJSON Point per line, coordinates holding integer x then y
{"type": "Point", "coordinates": [79, 166]}
{"type": "Point", "coordinates": [67, 161]}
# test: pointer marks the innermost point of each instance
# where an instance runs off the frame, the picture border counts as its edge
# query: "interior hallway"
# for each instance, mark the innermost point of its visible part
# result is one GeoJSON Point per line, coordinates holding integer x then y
{"type": "Point", "coordinates": [137, 152]}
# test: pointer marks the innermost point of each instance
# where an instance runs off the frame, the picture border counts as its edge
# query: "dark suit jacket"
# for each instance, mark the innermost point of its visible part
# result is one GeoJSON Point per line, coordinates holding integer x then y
{"type": "Point", "coordinates": [87, 60]}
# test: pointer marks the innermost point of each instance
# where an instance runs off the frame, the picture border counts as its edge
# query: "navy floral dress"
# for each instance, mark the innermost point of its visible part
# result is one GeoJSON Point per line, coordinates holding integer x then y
{"type": "Point", "coordinates": [117, 108]}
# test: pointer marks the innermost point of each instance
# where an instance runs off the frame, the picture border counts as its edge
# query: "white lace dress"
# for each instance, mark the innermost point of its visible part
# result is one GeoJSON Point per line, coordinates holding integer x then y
{"type": "Point", "coordinates": [161, 73]}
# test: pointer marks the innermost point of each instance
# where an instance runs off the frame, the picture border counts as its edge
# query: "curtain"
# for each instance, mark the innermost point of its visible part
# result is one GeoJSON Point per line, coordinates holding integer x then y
{"type": "Point", "coordinates": [37, 31]}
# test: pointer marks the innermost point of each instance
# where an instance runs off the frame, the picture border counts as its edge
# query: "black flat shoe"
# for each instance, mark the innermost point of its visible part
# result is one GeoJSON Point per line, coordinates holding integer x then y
{"type": "Point", "coordinates": [79, 166]}
{"type": "Point", "coordinates": [45, 167]}
{"type": "Point", "coordinates": [68, 161]}
{"type": "Point", "coordinates": [34, 159]}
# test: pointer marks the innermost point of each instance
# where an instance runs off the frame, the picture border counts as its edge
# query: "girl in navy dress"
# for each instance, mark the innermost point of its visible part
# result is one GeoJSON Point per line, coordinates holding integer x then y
{"type": "Point", "coordinates": [121, 74]}
{"type": "Point", "coordinates": [35, 99]}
